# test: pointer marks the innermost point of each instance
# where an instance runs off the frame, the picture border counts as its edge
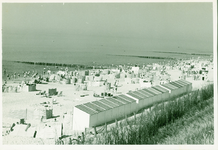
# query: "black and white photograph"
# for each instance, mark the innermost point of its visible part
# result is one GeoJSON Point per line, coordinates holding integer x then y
{"type": "Point", "coordinates": [109, 73]}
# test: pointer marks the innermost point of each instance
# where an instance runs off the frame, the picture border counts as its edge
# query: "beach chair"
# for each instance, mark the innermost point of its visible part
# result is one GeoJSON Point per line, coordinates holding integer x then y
{"type": "Point", "coordinates": [46, 95]}
{"type": "Point", "coordinates": [60, 94]}
{"type": "Point", "coordinates": [40, 93]}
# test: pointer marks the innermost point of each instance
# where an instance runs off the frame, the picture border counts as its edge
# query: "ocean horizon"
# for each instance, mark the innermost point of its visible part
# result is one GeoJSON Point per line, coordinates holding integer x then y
{"type": "Point", "coordinates": [85, 50]}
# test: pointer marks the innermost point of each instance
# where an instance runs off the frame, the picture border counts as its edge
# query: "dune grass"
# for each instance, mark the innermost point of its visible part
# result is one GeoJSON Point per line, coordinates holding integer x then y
{"type": "Point", "coordinates": [195, 127]}
{"type": "Point", "coordinates": [188, 120]}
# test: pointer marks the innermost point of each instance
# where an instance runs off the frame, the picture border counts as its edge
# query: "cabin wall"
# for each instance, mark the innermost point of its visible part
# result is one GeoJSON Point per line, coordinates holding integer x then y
{"type": "Point", "coordinates": [93, 120]}
{"type": "Point", "coordinates": [80, 120]}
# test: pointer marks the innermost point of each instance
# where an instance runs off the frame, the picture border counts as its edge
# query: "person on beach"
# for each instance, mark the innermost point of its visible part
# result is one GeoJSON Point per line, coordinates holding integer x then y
{"type": "Point", "coordinates": [8, 76]}
{"type": "Point", "coordinates": [5, 72]}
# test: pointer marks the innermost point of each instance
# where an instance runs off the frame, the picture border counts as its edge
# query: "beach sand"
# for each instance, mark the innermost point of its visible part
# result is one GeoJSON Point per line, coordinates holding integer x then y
{"type": "Point", "coordinates": [16, 105]}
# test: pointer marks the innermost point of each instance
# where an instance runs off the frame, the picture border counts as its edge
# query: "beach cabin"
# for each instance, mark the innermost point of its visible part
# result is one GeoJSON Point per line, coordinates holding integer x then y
{"type": "Point", "coordinates": [99, 112]}
{"type": "Point", "coordinates": [165, 93]}
{"type": "Point", "coordinates": [126, 103]}
{"type": "Point", "coordinates": [102, 111]}
{"type": "Point", "coordinates": [29, 87]}
{"type": "Point", "coordinates": [83, 117]}
{"type": "Point", "coordinates": [143, 99]}
{"type": "Point", "coordinates": [181, 87]}
{"type": "Point", "coordinates": [173, 90]}
{"type": "Point", "coordinates": [131, 106]}
{"type": "Point", "coordinates": [52, 92]}
{"type": "Point", "coordinates": [106, 116]}
{"type": "Point", "coordinates": [119, 110]}
{"type": "Point", "coordinates": [157, 94]}
{"type": "Point", "coordinates": [187, 84]}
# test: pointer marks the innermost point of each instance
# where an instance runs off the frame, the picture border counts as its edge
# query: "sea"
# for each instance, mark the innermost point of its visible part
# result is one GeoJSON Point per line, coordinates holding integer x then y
{"type": "Point", "coordinates": [89, 51]}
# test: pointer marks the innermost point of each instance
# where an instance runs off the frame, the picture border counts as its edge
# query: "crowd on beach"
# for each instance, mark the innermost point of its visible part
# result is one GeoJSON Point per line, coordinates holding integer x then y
{"type": "Point", "coordinates": [188, 67]}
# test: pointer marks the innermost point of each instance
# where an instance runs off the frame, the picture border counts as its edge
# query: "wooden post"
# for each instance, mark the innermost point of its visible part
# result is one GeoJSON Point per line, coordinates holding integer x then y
{"type": "Point", "coordinates": [95, 132]}
{"type": "Point", "coordinates": [61, 129]}
{"type": "Point", "coordinates": [135, 116]}
{"type": "Point", "coordinates": [106, 128]}
{"type": "Point", "coordinates": [85, 130]}
{"type": "Point", "coordinates": [26, 113]}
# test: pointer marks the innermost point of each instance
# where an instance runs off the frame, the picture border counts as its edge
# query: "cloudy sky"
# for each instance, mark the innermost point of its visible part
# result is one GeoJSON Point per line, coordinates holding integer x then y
{"type": "Point", "coordinates": [177, 24]}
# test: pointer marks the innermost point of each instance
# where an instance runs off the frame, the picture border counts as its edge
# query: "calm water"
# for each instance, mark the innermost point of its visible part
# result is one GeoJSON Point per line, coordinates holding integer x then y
{"type": "Point", "coordinates": [85, 49]}
{"type": "Point", "coordinates": [89, 50]}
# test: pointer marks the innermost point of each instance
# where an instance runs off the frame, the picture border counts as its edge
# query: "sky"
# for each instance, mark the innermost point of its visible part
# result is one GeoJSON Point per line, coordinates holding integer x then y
{"type": "Point", "coordinates": [152, 25]}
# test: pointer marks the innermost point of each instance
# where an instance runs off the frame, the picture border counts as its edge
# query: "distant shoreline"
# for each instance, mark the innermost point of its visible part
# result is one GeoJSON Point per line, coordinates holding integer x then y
{"type": "Point", "coordinates": [184, 53]}
{"type": "Point", "coordinates": [148, 57]}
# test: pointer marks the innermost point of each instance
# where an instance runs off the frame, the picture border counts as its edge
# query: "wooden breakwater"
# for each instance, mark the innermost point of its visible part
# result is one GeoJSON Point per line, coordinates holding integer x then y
{"type": "Point", "coordinates": [185, 53]}
{"type": "Point", "coordinates": [77, 66]}
{"type": "Point", "coordinates": [148, 57]}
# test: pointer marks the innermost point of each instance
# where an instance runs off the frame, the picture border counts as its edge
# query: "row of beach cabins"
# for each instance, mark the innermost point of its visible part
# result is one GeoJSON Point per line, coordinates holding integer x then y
{"type": "Point", "coordinates": [92, 114]}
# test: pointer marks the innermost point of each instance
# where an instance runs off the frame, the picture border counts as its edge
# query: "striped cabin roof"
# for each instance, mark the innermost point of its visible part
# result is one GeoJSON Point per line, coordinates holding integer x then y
{"type": "Point", "coordinates": [142, 93]}
{"type": "Point", "coordinates": [114, 101]}
{"type": "Point", "coordinates": [185, 81]}
{"type": "Point", "coordinates": [147, 92]}
{"type": "Point", "coordinates": [176, 84]}
{"type": "Point", "coordinates": [170, 86]}
{"type": "Point", "coordinates": [161, 89]}
{"type": "Point", "coordinates": [94, 107]}
{"type": "Point", "coordinates": [121, 100]}
{"type": "Point", "coordinates": [86, 109]}
{"type": "Point", "coordinates": [102, 105]}
{"type": "Point", "coordinates": [125, 98]}
{"type": "Point", "coordinates": [135, 95]}
{"type": "Point", "coordinates": [152, 90]}
{"type": "Point", "coordinates": [108, 103]}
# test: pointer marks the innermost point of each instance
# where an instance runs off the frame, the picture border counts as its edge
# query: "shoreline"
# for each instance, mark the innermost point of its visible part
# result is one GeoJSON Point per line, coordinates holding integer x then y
{"type": "Point", "coordinates": [184, 53]}
{"type": "Point", "coordinates": [148, 57]}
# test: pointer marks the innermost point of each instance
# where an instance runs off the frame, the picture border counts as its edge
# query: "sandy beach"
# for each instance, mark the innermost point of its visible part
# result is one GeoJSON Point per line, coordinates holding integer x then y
{"type": "Point", "coordinates": [23, 104]}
